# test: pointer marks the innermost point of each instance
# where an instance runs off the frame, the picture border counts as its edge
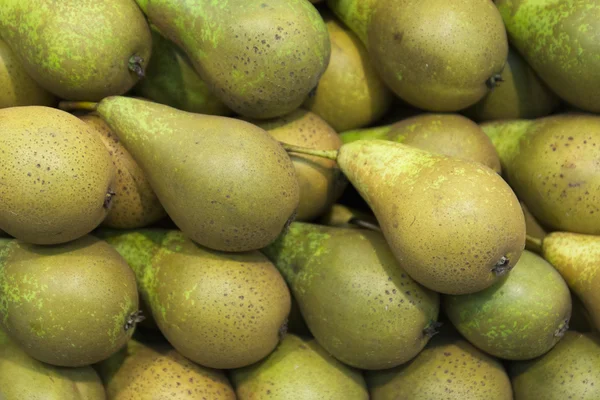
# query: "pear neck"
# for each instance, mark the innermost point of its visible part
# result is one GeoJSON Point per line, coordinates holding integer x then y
{"type": "Point", "coordinates": [506, 136]}
{"type": "Point", "coordinates": [330, 154]}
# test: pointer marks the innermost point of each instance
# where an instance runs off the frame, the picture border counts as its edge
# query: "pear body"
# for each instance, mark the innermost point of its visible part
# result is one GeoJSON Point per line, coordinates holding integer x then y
{"type": "Point", "coordinates": [483, 225]}
{"type": "Point", "coordinates": [57, 176]}
{"type": "Point", "coordinates": [78, 50]}
{"type": "Point", "coordinates": [67, 305]}
{"type": "Point", "coordinates": [226, 183]}
{"type": "Point", "coordinates": [261, 59]}
{"type": "Point", "coordinates": [519, 318]}
{"type": "Point", "coordinates": [355, 14]}
{"type": "Point", "coordinates": [299, 368]}
{"type": "Point", "coordinates": [377, 317]}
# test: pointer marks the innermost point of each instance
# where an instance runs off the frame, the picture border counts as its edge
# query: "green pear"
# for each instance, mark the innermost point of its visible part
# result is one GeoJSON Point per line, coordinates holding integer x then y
{"type": "Point", "coordinates": [341, 216]}
{"type": "Point", "coordinates": [554, 38]}
{"type": "Point", "coordinates": [260, 58]}
{"type": "Point", "coordinates": [78, 50]}
{"type": "Point", "coordinates": [568, 371]}
{"type": "Point", "coordinates": [299, 369]}
{"type": "Point", "coordinates": [377, 317]}
{"type": "Point", "coordinates": [551, 163]}
{"type": "Point", "coordinates": [472, 230]}
{"type": "Point", "coordinates": [226, 183]}
{"type": "Point", "coordinates": [518, 318]}
{"type": "Point", "coordinates": [355, 14]}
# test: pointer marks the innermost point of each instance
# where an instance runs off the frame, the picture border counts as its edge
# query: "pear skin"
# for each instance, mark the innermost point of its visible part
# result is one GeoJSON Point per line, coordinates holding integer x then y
{"type": "Point", "coordinates": [355, 14]}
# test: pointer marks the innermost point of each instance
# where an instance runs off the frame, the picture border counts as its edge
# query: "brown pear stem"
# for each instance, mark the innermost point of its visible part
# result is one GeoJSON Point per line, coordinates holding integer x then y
{"type": "Point", "coordinates": [364, 224]}
{"type": "Point", "coordinates": [530, 240]}
{"type": "Point", "coordinates": [330, 154]}
{"type": "Point", "coordinates": [78, 105]}
{"type": "Point", "coordinates": [135, 65]}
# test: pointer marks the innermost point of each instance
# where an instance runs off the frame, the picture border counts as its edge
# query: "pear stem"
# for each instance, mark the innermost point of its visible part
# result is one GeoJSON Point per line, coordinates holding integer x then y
{"type": "Point", "coordinates": [533, 241]}
{"type": "Point", "coordinates": [330, 154]}
{"type": "Point", "coordinates": [78, 105]}
{"type": "Point", "coordinates": [364, 224]}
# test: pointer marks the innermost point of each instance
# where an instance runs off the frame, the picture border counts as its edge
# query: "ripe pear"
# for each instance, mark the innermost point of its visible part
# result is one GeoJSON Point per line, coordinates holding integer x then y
{"type": "Point", "coordinates": [350, 94]}
{"type": "Point", "coordinates": [568, 371]}
{"type": "Point", "coordinates": [136, 205]}
{"type": "Point", "coordinates": [449, 134]}
{"type": "Point", "coordinates": [355, 14]}
{"type": "Point", "coordinates": [299, 368]}
{"type": "Point", "coordinates": [449, 368]}
{"type": "Point", "coordinates": [172, 80]}
{"type": "Point", "coordinates": [554, 38]}
{"type": "Point", "coordinates": [56, 176]}
{"type": "Point", "coordinates": [471, 232]}
{"type": "Point", "coordinates": [226, 183]}
{"type": "Point", "coordinates": [69, 305]}
{"type": "Point", "coordinates": [520, 94]}
{"type": "Point", "coordinates": [341, 216]}
{"type": "Point", "coordinates": [260, 58]}
{"type": "Point", "coordinates": [18, 88]}
{"type": "Point", "coordinates": [156, 371]}
{"type": "Point", "coordinates": [518, 318]}
{"type": "Point", "coordinates": [377, 317]}
{"type": "Point", "coordinates": [78, 50]}
{"type": "Point", "coordinates": [551, 163]}
{"type": "Point", "coordinates": [438, 55]}
{"type": "Point", "coordinates": [321, 182]}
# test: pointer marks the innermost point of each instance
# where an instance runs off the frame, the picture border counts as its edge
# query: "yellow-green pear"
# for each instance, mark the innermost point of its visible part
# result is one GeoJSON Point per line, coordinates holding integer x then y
{"type": "Point", "coordinates": [341, 216]}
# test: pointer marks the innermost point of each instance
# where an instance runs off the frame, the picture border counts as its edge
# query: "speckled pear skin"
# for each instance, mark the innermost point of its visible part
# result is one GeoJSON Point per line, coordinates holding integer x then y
{"type": "Point", "coordinates": [377, 315]}
{"type": "Point", "coordinates": [449, 368]}
{"type": "Point", "coordinates": [77, 49]}
{"type": "Point", "coordinates": [260, 58]}
{"type": "Point", "coordinates": [471, 220]}
{"type": "Point", "coordinates": [569, 370]}
{"type": "Point", "coordinates": [299, 368]}
{"type": "Point", "coordinates": [521, 317]}
{"type": "Point", "coordinates": [141, 371]}
{"type": "Point", "coordinates": [575, 257]}
{"type": "Point", "coordinates": [554, 38]}
{"type": "Point", "coordinates": [355, 14]}
{"type": "Point", "coordinates": [226, 183]}
{"type": "Point", "coordinates": [561, 151]}
{"type": "Point", "coordinates": [67, 305]}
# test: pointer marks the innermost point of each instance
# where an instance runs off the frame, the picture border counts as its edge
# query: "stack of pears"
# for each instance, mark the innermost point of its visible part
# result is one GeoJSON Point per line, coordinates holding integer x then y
{"type": "Point", "coordinates": [294, 199]}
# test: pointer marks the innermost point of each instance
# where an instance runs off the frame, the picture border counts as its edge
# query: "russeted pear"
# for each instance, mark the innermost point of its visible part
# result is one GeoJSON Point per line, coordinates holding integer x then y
{"type": "Point", "coordinates": [25, 378]}
{"type": "Point", "coordinates": [518, 318]}
{"type": "Point", "coordinates": [568, 371]}
{"type": "Point", "coordinates": [18, 88]}
{"type": "Point", "coordinates": [69, 305]}
{"type": "Point", "coordinates": [78, 49]}
{"type": "Point", "coordinates": [341, 216]}
{"type": "Point", "coordinates": [299, 368]}
{"type": "Point", "coordinates": [562, 153]}
{"type": "Point", "coordinates": [534, 230]}
{"type": "Point", "coordinates": [172, 80]}
{"type": "Point", "coordinates": [220, 310]}
{"type": "Point", "coordinates": [355, 14]}
{"type": "Point", "coordinates": [57, 177]}
{"type": "Point", "coordinates": [521, 94]}
{"type": "Point", "coordinates": [449, 134]}
{"type": "Point", "coordinates": [226, 183]}
{"type": "Point", "coordinates": [449, 368]}
{"type": "Point", "coordinates": [377, 317]}
{"type": "Point", "coordinates": [350, 94]}
{"type": "Point", "coordinates": [321, 182]}
{"type": "Point", "coordinates": [471, 232]}
{"type": "Point", "coordinates": [142, 371]}
{"type": "Point", "coordinates": [438, 55]}
{"type": "Point", "coordinates": [136, 205]}
{"type": "Point", "coordinates": [554, 38]}
{"type": "Point", "coordinates": [260, 58]}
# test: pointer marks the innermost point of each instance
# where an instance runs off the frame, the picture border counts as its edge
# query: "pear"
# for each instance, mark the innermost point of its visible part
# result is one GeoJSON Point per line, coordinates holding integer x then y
{"type": "Point", "coordinates": [580, 318]}
{"type": "Point", "coordinates": [350, 94]}
{"type": "Point", "coordinates": [56, 176]}
{"type": "Point", "coordinates": [260, 58]}
{"type": "Point", "coordinates": [78, 50]}
{"type": "Point", "coordinates": [377, 317]}
{"type": "Point", "coordinates": [520, 317]}
{"type": "Point", "coordinates": [299, 369]}
{"type": "Point", "coordinates": [551, 163]}
{"type": "Point", "coordinates": [226, 183]}
{"type": "Point", "coordinates": [69, 305]}
{"type": "Point", "coordinates": [472, 230]}
{"type": "Point", "coordinates": [534, 230]}
{"type": "Point", "coordinates": [373, 132]}
{"type": "Point", "coordinates": [355, 14]}
{"type": "Point", "coordinates": [146, 372]}
{"type": "Point", "coordinates": [136, 205]}
{"type": "Point", "coordinates": [341, 216]}
{"type": "Point", "coordinates": [568, 371]}
{"type": "Point", "coordinates": [448, 368]}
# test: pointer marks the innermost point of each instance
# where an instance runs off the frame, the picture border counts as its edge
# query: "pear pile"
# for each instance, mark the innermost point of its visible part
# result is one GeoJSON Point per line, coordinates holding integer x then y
{"type": "Point", "coordinates": [299, 200]}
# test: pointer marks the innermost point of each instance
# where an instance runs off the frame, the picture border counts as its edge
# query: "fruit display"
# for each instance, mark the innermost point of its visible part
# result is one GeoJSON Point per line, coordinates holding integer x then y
{"type": "Point", "coordinates": [299, 200]}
